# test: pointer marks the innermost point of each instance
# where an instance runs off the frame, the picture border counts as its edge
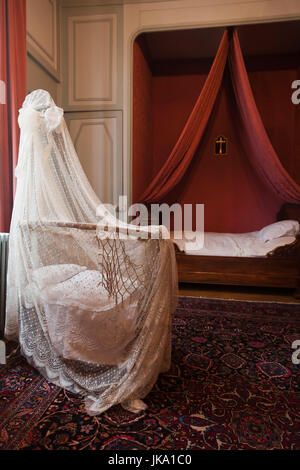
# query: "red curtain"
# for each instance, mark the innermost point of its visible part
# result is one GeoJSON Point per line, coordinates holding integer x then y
{"type": "Point", "coordinates": [181, 156]}
{"type": "Point", "coordinates": [259, 148]}
{"type": "Point", "coordinates": [262, 155]}
{"type": "Point", "coordinates": [13, 82]}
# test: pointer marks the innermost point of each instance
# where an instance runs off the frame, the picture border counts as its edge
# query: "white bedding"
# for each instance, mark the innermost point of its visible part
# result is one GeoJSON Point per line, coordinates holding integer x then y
{"type": "Point", "coordinates": [229, 244]}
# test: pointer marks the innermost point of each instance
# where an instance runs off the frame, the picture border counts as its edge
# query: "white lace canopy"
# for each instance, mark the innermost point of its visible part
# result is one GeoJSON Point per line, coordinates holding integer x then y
{"type": "Point", "coordinates": [92, 310]}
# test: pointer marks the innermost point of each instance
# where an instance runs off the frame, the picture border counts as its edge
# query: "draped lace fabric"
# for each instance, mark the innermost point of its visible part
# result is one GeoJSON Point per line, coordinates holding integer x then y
{"type": "Point", "coordinates": [89, 298]}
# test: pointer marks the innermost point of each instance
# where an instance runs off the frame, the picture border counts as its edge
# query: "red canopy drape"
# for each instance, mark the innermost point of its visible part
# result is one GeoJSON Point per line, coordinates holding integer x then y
{"type": "Point", "coordinates": [181, 156]}
{"type": "Point", "coordinates": [260, 151]}
{"type": "Point", "coordinates": [13, 81]}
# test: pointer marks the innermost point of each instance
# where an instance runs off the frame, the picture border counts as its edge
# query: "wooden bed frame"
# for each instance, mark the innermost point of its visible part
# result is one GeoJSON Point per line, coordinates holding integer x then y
{"type": "Point", "coordinates": [280, 268]}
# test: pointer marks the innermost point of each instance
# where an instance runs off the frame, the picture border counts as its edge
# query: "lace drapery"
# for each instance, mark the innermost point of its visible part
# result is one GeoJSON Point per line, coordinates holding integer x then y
{"type": "Point", "coordinates": [91, 308]}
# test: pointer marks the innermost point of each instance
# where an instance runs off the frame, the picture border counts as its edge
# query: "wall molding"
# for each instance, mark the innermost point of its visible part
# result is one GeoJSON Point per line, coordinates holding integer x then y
{"type": "Point", "coordinates": [92, 57]}
{"type": "Point", "coordinates": [108, 125]}
{"type": "Point", "coordinates": [78, 3]}
{"type": "Point", "coordinates": [47, 57]}
{"type": "Point", "coordinates": [101, 123]}
{"type": "Point", "coordinates": [109, 96]}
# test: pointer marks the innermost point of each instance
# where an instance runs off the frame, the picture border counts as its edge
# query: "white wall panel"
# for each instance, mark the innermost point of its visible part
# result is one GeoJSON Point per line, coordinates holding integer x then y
{"type": "Point", "coordinates": [92, 60]}
{"type": "Point", "coordinates": [92, 57]}
{"type": "Point", "coordinates": [42, 31]}
{"type": "Point", "coordinates": [97, 139]}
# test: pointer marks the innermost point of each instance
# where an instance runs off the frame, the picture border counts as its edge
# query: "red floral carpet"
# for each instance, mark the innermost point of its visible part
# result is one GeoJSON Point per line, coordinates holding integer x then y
{"type": "Point", "coordinates": [232, 385]}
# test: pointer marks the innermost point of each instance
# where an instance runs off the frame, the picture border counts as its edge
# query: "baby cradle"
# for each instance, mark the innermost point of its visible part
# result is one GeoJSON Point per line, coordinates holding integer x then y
{"type": "Point", "coordinates": [90, 299]}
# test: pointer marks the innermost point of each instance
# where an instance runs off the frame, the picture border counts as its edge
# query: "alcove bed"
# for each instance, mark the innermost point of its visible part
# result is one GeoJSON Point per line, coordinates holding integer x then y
{"type": "Point", "coordinates": [170, 71]}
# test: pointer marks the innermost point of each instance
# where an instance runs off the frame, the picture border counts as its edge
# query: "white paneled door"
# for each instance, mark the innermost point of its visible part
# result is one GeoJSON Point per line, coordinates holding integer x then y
{"type": "Point", "coordinates": [98, 140]}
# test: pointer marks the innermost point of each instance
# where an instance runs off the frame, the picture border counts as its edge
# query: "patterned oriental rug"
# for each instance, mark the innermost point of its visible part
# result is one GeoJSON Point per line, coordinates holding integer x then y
{"type": "Point", "coordinates": [232, 385]}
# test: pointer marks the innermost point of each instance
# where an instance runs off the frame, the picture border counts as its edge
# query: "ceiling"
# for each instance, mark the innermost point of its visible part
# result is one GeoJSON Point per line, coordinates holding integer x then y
{"type": "Point", "coordinates": [259, 39]}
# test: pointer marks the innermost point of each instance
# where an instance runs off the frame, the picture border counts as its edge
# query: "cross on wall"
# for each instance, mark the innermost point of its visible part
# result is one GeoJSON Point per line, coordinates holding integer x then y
{"type": "Point", "coordinates": [220, 145]}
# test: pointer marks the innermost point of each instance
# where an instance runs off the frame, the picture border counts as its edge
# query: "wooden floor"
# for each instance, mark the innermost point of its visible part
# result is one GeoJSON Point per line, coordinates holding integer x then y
{"type": "Point", "coordinates": [238, 293]}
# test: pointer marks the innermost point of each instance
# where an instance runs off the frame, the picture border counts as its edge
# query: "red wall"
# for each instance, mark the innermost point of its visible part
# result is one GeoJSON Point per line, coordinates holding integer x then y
{"type": "Point", "coordinates": [235, 198]}
{"type": "Point", "coordinates": [142, 122]}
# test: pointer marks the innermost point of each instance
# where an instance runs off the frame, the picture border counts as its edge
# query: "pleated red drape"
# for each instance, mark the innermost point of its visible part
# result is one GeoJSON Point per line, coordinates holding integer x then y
{"type": "Point", "coordinates": [13, 82]}
{"type": "Point", "coordinates": [181, 156]}
{"type": "Point", "coordinates": [259, 148]}
{"type": "Point", "coordinates": [5, 173]}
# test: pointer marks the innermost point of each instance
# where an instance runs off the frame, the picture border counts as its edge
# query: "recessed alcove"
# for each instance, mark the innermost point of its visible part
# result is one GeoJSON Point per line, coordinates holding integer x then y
{"type": "Point", "coordinates": [169, 70]}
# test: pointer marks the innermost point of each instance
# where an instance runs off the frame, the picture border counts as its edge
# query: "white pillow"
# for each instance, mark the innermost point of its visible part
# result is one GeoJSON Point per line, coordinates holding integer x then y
{"type": "Point", "coordinates": [55, 273]}
{"type": "Point", "coordinates": [284, 228]}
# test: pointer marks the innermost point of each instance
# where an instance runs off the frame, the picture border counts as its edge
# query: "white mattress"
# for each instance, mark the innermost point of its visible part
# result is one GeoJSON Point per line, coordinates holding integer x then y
{"type": "Point", "coordinates": [228, 244]}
